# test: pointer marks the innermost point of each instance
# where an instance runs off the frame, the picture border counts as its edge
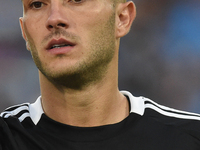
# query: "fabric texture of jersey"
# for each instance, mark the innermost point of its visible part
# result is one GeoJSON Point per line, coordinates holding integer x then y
{"type": "Point", "coordinates": [149, 126]}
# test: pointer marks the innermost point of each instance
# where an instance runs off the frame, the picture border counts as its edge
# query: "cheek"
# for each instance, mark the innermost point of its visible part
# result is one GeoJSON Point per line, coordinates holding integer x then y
{"type": "Point", "coordinates": [33, 32]}
{"type": "Point", "coordinates": [102, 30]}
{"type": "Point", "coordinates": [98, 36]}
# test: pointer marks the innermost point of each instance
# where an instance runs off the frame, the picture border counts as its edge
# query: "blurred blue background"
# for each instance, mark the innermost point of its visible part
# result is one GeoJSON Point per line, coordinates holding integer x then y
{"type": "Point", "coordinates": [159, 58]}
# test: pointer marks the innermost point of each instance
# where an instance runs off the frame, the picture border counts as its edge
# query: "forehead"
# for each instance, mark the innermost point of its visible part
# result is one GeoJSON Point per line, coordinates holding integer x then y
{"type": "Point", "coordinates": [110, 2]}
{"type": "Point", "coordinates": [65, 0]}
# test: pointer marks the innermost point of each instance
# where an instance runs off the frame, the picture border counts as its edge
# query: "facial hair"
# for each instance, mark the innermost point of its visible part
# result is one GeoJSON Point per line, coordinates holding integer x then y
{"type": "Point", "coordinates": [87, 71]}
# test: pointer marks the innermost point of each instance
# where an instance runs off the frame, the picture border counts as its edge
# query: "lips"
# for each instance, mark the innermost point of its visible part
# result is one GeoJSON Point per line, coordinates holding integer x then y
{"type": "Point", "coordinates": [53, 44]}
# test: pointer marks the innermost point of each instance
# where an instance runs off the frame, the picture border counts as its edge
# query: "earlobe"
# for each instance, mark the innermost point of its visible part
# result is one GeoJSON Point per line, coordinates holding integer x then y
{"type": "Point", "coordinates": [23, 32]}
{"type": "Point", "coordinates": [126, 15]}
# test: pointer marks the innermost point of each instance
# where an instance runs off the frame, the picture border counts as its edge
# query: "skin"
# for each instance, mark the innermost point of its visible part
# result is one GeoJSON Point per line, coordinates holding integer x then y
{"type": "Point", "coordinates": [79, 87]}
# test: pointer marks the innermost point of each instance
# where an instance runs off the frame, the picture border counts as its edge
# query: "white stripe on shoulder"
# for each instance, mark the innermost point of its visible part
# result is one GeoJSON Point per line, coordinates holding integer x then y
{"type": "Point", "coordinates": [22, 117]}
{"type": "Point", "coordinates": [20, 111]}
{"type": "Point", "coordinates": [170, 112]}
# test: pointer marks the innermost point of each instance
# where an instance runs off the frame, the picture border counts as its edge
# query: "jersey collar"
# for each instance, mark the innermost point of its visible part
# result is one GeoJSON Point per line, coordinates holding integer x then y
{"type": "Point", "coordinates": [136, 106]}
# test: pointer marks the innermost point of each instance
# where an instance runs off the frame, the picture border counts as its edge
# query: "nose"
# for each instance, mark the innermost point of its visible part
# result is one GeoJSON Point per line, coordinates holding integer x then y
{"type": "Point", "coordinates": [56, 18]}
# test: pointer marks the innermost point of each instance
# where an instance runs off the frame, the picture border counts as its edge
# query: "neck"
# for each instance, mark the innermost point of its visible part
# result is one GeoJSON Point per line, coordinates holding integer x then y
{"type": "Point", "coordinates": [97, 104]}
{"type": "Point", "coordinates": [94, 106]}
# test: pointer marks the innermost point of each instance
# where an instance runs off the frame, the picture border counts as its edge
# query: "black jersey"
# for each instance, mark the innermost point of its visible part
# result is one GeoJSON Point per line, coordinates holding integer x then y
{"type": "Point", "coordinates": [148, 127]}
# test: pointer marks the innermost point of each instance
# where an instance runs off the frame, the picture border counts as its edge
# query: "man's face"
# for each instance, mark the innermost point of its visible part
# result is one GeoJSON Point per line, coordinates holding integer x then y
{"type": "Point", "coordinates": [70, 39]}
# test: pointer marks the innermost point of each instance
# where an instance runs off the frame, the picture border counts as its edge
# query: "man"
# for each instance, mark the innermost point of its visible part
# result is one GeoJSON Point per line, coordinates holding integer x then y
{"type": "Point", "coordinates": [75, 44]}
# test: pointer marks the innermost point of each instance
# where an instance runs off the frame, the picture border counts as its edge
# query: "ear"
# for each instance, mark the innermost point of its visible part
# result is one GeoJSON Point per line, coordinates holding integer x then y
{"type": "Point", "coordinates": [23, 32]}
{"type": "Point", "coordinates": [126, 13]}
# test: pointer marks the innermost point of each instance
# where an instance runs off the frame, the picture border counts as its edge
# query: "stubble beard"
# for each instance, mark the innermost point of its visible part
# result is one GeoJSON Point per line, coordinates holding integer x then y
{"type": "Point", "coordinates": [87, 71]}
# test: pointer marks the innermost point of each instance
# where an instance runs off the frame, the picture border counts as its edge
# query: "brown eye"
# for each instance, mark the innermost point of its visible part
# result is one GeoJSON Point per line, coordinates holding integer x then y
{"type": "Point", "coordinates": [77, 1]}
{"type": "Point", "coordinates": [36, 5]}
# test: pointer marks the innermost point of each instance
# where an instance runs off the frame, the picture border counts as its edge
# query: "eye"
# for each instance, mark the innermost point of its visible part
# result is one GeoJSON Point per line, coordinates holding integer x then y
{"type": "Point", "coordinates": [36, 5]}
{"type": "Point", "coordinates": [76, 1]}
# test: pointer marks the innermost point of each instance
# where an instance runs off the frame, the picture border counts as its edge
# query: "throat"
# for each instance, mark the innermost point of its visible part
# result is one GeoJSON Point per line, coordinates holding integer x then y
{"type": "Point", "coordinates": [83, 112]}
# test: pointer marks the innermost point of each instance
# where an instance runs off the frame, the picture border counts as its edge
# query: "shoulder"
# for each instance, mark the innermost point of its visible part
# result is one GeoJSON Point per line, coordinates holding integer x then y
{"type": "Point", "coordinates": [10, 124]}
{"type": "Point", "coordinates": [156, 114]}
{"type": "Point", "coordinates": [153, 109]}
{"type": "Point", "coordinates": [179, 122]}
{"type": "Point", "coordinates": [15, 121]}
{"type": "Point", "coordinates": [25, 111]}
{"type": "Point", "coordinates": [147, 107]}
{"type": "Point", "coordinates": [20, 112]}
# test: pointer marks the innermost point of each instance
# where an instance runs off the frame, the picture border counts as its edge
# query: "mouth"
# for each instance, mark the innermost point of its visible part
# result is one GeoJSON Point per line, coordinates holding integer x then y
{"type": "Point", "coordinates": [56, 44]}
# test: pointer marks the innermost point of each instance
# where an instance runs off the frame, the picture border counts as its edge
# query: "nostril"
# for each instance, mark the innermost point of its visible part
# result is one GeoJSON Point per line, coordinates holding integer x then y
{"type": "Point", "coordinates": [50, 26]}
{"type": "Point", "coordinates": [55, 24]}
{"type": "Point", "coordinates": [61, 25]}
